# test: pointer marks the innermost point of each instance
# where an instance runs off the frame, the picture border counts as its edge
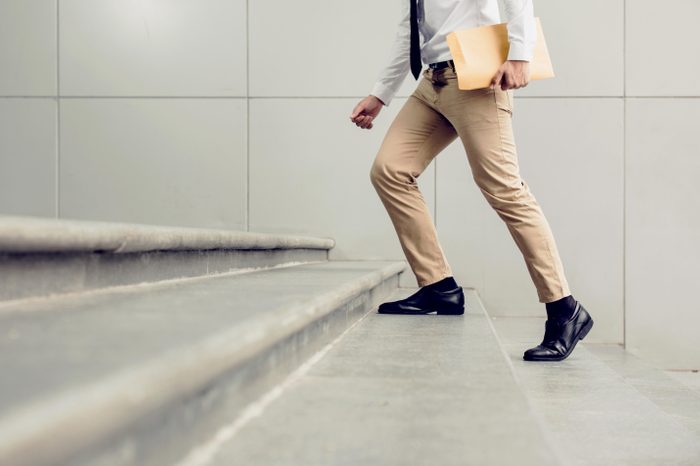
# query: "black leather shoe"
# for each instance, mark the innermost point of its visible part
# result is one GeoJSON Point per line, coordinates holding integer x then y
{"type": "Point", "coordinates": [560, 338]}
{"type": "Point", "coordinates": [427, 300]}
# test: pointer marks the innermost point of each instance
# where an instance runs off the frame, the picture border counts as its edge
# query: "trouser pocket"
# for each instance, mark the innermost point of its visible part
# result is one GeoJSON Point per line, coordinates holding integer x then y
{"type": "Point", "coordinates": [504, 100]}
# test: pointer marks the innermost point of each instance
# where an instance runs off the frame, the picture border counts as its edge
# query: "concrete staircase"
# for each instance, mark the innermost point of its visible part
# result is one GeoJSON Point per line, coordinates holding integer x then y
{"type": "Point", "coordinates": [127, 344]}
{"type": "Point", "coordinates": [229, 348]}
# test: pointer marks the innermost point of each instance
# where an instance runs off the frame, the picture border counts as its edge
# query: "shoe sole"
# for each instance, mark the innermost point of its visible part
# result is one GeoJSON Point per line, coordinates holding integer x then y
{"type": "Point", "coordinates": [450, 312]}
{"type": "Point", "coordinates": [581, 335]}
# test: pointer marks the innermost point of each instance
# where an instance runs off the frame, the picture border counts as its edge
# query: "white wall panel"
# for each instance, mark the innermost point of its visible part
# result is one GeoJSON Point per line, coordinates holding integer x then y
{"type": "Point", "coordinates": [27, 47]}
{"type": "Point", "coordinates": [153, 47]}
{"type": "Point", "coordinates": [28, 157]}
{"type": "Point", "coordinates": [585, 44]}
{"type": "Point", "coordinates": [662, 48]}
{"type": "Point", "coordinates": [663, 230]}
{"type": "Point", "coordinates": [320, 47]}
{"type": "Point", "coordinates": [158, 161]}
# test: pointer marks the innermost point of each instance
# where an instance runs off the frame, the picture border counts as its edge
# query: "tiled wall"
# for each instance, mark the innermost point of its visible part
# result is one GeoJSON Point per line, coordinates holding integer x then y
{"type": "Point", "coordinates": [125, 110]}
{"type": "Point", "coordinates": [235, 114]}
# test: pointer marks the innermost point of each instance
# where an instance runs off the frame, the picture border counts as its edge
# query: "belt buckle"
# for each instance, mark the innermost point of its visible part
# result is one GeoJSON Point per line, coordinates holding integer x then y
{"type": "Point", "coordinates": [437, 78]}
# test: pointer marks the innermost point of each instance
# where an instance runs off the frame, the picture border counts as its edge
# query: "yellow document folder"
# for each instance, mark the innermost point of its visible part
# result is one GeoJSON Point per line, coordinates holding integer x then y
{"type": "Point", "coordinates": [479, 52]}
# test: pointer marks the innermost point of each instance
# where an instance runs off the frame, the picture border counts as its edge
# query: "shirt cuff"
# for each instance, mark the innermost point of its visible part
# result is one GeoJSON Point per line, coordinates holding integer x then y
{"type": "Point", "coordinates": [384, 93]}
{"type": "Point", "coordinates": [518, 51]}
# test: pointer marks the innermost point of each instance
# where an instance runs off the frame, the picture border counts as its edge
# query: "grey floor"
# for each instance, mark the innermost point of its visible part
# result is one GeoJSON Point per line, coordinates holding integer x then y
{"type": "Point", "coordinates": [603, 405]}
{"type": "Point", "coordinates": [690, 379]}
{"type": "Point", "coordinates": [424, 390]}
{"type": "Point", "coordinates": [399, 390]}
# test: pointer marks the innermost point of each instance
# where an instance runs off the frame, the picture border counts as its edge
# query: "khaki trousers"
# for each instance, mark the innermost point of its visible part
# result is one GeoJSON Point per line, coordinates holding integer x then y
{"type": "Point", "coordinates": [433, 116]}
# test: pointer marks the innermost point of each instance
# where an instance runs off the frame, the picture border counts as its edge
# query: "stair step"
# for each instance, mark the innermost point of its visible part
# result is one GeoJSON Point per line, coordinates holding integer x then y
{"type": "Point", "coordinates": [596, 414]}
{"type": "Point", "coordinates": [689, 378]}
{"type": "Point", "coordinates": [676, 399]}
{"type": "Point", "coordinates": [43, 257]}
{"type": "Point", "coordinates": [394, 390]}
{"type": "Point", "coordinates": [114, 377]}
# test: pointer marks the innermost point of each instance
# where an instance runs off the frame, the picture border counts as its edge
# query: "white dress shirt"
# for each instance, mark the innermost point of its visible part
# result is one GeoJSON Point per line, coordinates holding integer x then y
{"type": "Point", "coordinates": [436, 19]}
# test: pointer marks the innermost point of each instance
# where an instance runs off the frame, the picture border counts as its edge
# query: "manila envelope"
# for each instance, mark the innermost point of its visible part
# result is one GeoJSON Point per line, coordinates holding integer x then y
{"type": "Point", "coordinates": [478, 53]}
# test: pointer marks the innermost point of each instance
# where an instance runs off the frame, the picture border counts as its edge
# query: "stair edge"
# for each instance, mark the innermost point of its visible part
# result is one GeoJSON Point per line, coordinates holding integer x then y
{"type": "Point", "coordinates": [37, 234]}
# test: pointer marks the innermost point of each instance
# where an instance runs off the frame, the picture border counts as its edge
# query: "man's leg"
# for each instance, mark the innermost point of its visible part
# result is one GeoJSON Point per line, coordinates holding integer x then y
{"type": "Point", "coordinates": [482, 119]}
{"type": "Point", "coordinates": [414, 138]}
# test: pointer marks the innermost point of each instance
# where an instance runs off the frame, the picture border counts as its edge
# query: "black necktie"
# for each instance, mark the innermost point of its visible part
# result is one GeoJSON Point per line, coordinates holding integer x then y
{"type": "Point", "coordinates": [415, 46]}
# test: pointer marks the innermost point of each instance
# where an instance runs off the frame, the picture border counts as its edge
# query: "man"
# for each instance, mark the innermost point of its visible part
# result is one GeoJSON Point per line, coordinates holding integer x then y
{"type": "Point", "coordinates": [436, 114]}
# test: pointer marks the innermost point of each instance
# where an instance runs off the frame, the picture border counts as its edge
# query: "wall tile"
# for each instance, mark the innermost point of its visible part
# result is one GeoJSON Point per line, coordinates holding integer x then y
{"type": "Point", "coordinates": [296, 50]}
{"type": "Point", "coordinates": [153, 48]}
{"type": "Point", "coordinates": [27, 48]}
{"type": "Point", "coordinates": [584, 40]}
{"type": "Point", "coordinates": [28, 157]}
{"type": "Point", "coordinates": [175, 162]}
{"type": "Point", "coordinates": [661, 48]}
{"type": "Point", "coordinates": [663, 227]}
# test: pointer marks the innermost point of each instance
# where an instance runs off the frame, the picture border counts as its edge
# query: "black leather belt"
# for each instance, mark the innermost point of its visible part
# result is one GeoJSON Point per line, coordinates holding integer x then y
{"type": "Point", "coordinates": [441, 64]}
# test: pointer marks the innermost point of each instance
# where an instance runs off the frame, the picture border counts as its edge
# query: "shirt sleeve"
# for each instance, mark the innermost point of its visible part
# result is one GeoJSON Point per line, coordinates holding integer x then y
{"type": "Point", "coordinates": [522, 32]}
{"type": "Point", "coordinates": [393, 74]}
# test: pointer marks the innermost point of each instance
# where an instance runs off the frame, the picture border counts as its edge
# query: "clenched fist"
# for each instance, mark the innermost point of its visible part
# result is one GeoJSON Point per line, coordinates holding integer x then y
{"type": "Point", "coordinates": [366, 111]}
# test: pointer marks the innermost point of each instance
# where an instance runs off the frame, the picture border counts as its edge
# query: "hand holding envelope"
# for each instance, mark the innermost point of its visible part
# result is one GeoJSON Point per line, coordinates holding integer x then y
{"type": "Point", "coordinates": [513, 74]}
{"type": "Point", "coordinates": [479, 52]}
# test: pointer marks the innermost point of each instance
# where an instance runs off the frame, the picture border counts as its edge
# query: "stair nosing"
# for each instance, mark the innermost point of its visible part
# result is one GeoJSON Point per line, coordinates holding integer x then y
{"type": "Point", "coordinates": [38, 234]}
